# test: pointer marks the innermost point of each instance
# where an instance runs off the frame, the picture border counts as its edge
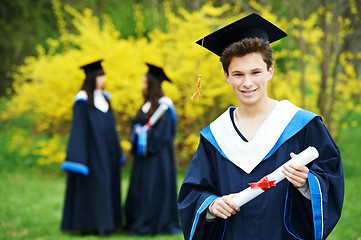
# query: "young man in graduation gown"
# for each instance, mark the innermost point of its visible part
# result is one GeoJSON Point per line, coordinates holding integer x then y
{"type": "Point", "coordinates": [93, 161]}
{"type": "Point", "coordinates": [246, 143]}
{"type": "Point", "coordinates": [151, 205]}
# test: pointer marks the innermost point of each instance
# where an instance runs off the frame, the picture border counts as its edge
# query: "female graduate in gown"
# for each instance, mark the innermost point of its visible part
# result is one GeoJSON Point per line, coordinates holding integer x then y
{"type": "Point", "coordinates": [93, 161]}
{"type": "Point", "coordinates": [151, 205]}
{"type": "Point", "coordinates": [249, 142]}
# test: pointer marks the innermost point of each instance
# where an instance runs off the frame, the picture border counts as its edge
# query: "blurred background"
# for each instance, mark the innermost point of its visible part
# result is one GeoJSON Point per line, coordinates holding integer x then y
{"type": "Point", "coordinates": [44, 42]}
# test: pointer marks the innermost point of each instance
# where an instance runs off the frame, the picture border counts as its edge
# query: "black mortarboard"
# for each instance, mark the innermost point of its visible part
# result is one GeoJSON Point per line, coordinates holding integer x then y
{"type": "Point", "coordinates": [91, 67]}
{"type": "Point", "coordinates": [157, 72]}
{"type": "Point", "coordinates": [250, 26]}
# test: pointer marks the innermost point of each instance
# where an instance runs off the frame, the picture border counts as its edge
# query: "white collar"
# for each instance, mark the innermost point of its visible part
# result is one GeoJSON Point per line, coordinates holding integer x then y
{"type": "Point", "coordinates": [247, 155]}
{"type": "Point", "coordinates": [99, 100]}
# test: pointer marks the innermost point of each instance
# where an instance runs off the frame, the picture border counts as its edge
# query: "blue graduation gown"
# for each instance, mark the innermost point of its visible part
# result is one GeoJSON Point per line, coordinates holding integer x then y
{"type": "Point", "coordinates": [282, 212]}
{"type": "Point", "coordinates": [92, 198]}
{"type": "Point", "coordinates": [151, 204]}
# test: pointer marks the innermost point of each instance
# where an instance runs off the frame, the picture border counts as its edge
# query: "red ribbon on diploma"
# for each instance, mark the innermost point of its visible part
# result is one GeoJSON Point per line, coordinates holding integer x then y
{"type": "Point", "coordinates": [264, 184]}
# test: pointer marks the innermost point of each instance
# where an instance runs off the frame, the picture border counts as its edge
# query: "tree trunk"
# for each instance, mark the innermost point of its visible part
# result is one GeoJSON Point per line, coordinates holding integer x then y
{"type": "Point", "coordinates": [301, 42]}
{"type": "Point", "coordinates": [325, 62]}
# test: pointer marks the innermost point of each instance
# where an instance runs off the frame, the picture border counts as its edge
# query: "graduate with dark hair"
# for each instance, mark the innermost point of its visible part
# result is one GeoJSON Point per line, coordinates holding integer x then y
{"type": "Point", "coordinates": [249, 142]}
{"type": "Point", "coordinates": [151, 205]}
{"type": "Point", "coordinates": [93, 160]}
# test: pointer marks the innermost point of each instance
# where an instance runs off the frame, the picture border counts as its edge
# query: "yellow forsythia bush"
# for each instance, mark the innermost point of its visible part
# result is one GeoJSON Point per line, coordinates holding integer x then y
{"type": "Point", "coordinates": [47, 83]}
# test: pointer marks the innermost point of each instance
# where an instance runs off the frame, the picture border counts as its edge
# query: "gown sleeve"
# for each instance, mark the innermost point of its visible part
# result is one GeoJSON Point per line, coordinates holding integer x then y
{"type": "Point", "coordinates": [198, 190]}
{"type": "Point", "coordinates": [160, 134]}
{"type": "Point", "coordinates": [315, 219]}
{"type": "Point", "coordinates": [151, 141]}
{"type": "Point", "coordinates": [76, 156]}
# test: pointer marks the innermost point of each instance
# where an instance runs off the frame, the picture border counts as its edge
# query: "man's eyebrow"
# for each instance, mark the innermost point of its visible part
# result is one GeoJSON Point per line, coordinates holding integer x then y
{"type": "Point", "coordinates": [252, 70]}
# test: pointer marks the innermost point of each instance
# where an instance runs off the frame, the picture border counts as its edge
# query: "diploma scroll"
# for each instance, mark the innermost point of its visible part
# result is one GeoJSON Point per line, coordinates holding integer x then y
{"type": "Point", "coordinates": [303, 158]}
{"type": "Point", "coordinates": [156, 115]}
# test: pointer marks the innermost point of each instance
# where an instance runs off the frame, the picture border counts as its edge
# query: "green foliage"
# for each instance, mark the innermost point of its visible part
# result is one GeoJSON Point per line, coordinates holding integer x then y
{"type": "Point", "coordinates": [26, 24]}
{"type": "Point", "coordinates": [20, 29]}
{"type": "Point", "coordinates": [299, 72]}
{"type": "Point", "coordinates": [53, 74]}
{"type": "Point", "coordinates": [11, 156]}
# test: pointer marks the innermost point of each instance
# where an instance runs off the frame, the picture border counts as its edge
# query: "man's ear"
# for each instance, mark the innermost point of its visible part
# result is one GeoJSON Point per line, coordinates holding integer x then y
{"type": "Point", "coordinates": [226, 77]}
{"type": "Point", "coordinates": [270, 73]}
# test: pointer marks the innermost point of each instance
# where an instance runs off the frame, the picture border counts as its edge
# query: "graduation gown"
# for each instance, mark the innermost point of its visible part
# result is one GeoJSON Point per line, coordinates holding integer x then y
{"type": "Point", "coordinates": [225, 162]}
{"type": "Point", "coordinates": [94, 155]}
{"type": "Point", "coordinates": [151, 204]}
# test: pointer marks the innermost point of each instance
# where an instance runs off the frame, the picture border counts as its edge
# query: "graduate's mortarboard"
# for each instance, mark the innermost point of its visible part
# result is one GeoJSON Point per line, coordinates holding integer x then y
{"type": "Point", "coordinates": [250, 26]}
{"type": "Point", "coordinates": [91, 67]}
{"type": "Point", "coordinates": [158, 73]}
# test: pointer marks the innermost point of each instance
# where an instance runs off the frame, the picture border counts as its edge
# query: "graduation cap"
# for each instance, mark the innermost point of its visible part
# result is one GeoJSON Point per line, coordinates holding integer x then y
{"type": "Point", "coordinates": [91, 67]}
{"type": "Point", "coordinates": [158, 73]}
{"type": "Point", "coordinates": [250, 26]}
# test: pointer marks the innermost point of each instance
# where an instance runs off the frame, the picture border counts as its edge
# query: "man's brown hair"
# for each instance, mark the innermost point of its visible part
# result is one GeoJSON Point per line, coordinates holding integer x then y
{"type": "Point", "coordinates": [244, 47]}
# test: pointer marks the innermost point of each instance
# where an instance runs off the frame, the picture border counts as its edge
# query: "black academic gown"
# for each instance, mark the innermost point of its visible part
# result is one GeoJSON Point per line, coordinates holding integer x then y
{"type": "Point", "coordinates": [151, 204]}
{"type": "Point", "coordinates": [92, 198]}
{"type": "Point", "coordinates": [282, 212]}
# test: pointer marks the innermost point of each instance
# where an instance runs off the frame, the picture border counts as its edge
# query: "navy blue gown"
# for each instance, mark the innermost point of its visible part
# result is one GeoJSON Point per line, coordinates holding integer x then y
{"type": "Point", "coordinates": [94, 155]}
{"type": "Point", "coordinates": [282, 212]}
{"type": "Point", "coordinates": [151, 204]}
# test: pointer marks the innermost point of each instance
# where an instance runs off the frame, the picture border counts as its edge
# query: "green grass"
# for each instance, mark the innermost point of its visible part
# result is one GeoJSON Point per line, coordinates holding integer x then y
{"type": "Point", "coordinates": [349, 224]}
{"type": "Point", "coordinates": [31, 207]}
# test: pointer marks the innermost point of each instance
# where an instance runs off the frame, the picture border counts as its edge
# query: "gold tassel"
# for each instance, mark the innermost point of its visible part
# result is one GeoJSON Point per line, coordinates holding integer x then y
{"type": "Point", "coordinates": [197, 94]}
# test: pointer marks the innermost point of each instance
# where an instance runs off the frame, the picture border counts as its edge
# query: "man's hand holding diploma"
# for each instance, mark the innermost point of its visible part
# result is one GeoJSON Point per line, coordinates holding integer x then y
{"type": "Point", "coordinates": [294, 171]}
{"type": "Point", "coordinates": [224, 206]}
